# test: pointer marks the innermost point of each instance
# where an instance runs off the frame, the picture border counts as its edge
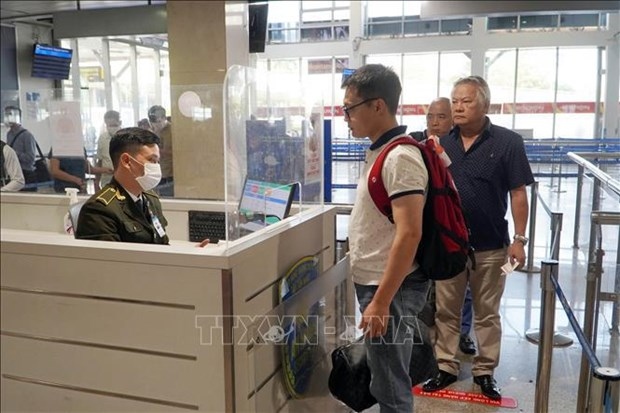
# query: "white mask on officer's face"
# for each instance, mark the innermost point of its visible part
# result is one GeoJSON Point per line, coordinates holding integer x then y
{"type": "Point", "coordinates": [151, 177]}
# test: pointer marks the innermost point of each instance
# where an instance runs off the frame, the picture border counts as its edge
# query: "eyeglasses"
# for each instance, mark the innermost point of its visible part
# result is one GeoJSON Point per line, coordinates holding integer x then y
{"type": "Point", "coordinates": [347, 109]}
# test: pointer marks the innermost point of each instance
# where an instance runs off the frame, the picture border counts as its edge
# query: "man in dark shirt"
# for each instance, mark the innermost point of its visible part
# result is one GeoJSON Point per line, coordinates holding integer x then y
{"type": "Point", "coordinates": [488, 164]}
{"type": "Point", "coordinates": [438, 120]}
{"type": "Point", "coordinates": [127, 209]}
{"type": "Point", "coordinates": [23, 143]}
{"type": "Point", "coordinates": [163, 128]}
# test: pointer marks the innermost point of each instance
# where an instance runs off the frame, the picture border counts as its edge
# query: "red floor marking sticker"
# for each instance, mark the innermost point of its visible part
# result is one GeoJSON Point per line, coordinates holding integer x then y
{"type": "Point", "coordinates": [463, 396]}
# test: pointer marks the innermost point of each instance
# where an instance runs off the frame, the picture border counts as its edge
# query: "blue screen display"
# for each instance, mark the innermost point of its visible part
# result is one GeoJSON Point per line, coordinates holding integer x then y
{"type": "Point", "coordinates": [51, 62]}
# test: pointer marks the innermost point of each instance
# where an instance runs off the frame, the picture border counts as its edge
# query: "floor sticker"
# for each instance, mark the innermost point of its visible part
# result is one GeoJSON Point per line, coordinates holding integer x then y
{"type": "Point", "coordinates": [462, 396]}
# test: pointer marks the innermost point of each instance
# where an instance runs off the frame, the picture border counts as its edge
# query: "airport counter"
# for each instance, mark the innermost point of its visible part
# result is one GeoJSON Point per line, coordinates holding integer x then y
{"type": "Point", "coordinates": [105, 326]}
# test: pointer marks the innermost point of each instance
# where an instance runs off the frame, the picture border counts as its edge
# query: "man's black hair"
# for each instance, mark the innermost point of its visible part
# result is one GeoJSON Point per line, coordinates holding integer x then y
{"type": "Point", "coordinates": [376, 81]}
{"type": "Point", "coordinates": [156, 112]}
{"type": "Point", "coordinates": [130, 140]}
{"type": "Point", "coordinates": [13, 109]}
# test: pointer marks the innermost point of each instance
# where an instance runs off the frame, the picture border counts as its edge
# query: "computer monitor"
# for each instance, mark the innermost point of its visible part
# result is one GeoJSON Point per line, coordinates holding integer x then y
{"type": "Point", "coordinates": [265, 202]}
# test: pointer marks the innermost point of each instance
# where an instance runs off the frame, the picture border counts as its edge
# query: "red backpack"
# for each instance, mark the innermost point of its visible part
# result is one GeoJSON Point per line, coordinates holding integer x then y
{"type": "Point", "coordinates": [444, 248]}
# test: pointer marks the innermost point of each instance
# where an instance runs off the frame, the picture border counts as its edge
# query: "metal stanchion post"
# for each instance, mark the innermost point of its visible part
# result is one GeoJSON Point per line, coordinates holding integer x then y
{"type": "Point", "coordinates": [605, 390]}
{"type": "Point", "coordinates": [530, 268]}
{"type": "Point", "coordinates": [547, 319]}
{"type": "Point", "coordinates": [592, 286]}
{"type": "Point", "coordinates": [578, 207]}
{"type": "Point", "coordinates": [533, 335]}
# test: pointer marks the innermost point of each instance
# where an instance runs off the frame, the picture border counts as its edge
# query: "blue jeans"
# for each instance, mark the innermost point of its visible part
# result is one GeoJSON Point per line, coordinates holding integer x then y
{"type": "Point", "coordinates": [466, 315]}
{"type": "Point", "coordinates": [389, 356]}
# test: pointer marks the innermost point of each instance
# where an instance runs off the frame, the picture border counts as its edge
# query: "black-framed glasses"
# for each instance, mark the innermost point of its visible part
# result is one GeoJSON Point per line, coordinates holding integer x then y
{"type": "Point", "coordinates": [348, 109]}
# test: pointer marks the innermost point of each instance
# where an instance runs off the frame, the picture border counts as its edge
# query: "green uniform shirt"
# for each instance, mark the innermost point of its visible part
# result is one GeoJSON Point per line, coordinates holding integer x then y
{"type": "Point", "coordinates": [112, 215]}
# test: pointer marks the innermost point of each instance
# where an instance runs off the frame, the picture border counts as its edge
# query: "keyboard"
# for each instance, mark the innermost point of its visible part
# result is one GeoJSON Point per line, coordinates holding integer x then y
{"type": "Point", "coordinates": [206, 224]}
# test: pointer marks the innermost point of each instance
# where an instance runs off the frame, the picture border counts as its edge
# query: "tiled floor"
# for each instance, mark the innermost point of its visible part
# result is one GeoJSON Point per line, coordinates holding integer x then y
{"type": "Point", "coordinates": [520, 308]}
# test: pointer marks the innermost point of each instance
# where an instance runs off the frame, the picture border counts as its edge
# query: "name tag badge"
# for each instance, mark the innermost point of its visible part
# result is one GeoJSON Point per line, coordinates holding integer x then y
{"type": "Point", "coordinates": [158, 227]}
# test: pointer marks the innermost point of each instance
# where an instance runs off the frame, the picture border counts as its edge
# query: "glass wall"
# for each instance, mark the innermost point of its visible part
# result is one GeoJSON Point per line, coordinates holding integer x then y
{"type": "Point", "coordinates": [136, 68]}
{"type": "Point", "coordinates": [555, 91]}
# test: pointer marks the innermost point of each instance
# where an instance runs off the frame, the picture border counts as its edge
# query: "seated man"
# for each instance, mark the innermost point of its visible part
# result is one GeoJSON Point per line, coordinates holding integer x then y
{"type": "Point", "coordinates": [127, 209]}
{"type": "Point", "coordinates": [70, 171]}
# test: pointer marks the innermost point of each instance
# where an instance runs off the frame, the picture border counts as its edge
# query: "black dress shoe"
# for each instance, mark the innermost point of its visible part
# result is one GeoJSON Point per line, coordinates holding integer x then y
{"type": "Point", "coordinates": [442, 380]}
{"type": "Point", "coordinates": [488, 386]}
{"type": "Point", "coordinates": [466, 344]}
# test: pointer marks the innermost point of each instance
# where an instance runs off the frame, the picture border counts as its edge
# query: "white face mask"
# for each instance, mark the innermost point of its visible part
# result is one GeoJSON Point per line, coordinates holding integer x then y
{"type": "Point", "coordinates": [11, 118]}
{"type": "Point", "coordinates": [151, 177]}
{"type": "Point", "coordinates": [113, 129]}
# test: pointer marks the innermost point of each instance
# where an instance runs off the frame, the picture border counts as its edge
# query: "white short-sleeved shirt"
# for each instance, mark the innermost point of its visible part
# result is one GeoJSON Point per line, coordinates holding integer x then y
{"type": "Point", "coordinates": [370, 232]}
{"type": "Point", "coordinates": [103, 155]}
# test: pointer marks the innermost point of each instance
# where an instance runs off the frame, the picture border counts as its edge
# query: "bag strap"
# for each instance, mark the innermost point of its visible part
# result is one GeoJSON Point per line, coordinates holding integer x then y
{"type": "Point", "coordinates": [15, 137]}
{"type": "Point", "coordinates": [35, 142]}
{"type": "Point", "coordinates": [376, 188]}
{"type": "Point", "coordinates": [39, 150]}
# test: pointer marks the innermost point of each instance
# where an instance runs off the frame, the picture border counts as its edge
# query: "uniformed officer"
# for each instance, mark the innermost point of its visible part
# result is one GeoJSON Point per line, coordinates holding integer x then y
{"type": "Point", "coordinates": [127, 209]}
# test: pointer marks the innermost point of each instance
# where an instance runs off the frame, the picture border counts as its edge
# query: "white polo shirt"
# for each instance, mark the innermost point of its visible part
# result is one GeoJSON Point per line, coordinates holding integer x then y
{"type": "Point", "coordinates": [370, 232]}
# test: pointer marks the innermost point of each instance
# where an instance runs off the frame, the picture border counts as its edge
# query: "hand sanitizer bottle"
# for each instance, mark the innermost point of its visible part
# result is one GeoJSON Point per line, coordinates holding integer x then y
{"type": "Point", "coordinates": [73, 199]}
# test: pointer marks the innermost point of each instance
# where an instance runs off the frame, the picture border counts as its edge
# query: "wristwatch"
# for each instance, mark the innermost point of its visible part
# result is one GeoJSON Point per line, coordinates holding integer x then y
{"type": "Point", "coordinates": [521, 238]}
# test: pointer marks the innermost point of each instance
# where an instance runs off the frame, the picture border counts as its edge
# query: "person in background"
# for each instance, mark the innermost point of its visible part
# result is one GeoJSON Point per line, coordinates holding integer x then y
{"type": "Point", "coordinates": [439, 123]}
{"type": "Point", "coordinates": [144, 124]}
{"type": "Point", "coordinates": [112, 121]}
{"type": "Point", "coordinates": [389, 288]}
{"type": "Point", "coordinates": [489, 164]}
{"type": "Point", "coordinates": [466, 344]}
{"type": "Point", "coordinates": [23, 143]}
{"type": "Point", "coordinates": [438, 120]}
{"type": "Point", "coordinates": [11, 175]}
{"type": "Point", "coordinates": [161, 126]}
{"type": "Point", "coordinates": [70, 171]}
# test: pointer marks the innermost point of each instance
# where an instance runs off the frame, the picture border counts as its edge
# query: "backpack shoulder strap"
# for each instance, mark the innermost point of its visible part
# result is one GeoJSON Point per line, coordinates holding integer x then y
{"type": "Point", "coordinates": [376, 188]}
{"type": "Point", "coordinates": [15, 137]}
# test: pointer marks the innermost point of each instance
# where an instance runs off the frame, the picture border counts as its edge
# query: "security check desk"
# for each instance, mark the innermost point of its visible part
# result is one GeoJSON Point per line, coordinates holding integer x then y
{"type": "Point", "coordinates": [96, 325]}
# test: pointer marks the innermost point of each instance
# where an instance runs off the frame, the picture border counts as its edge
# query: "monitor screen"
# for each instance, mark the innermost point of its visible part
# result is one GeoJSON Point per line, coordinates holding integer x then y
{"type": "Point", "coordinates": [51, 62]}
{"type": "Point", "coordinates": [346, 73]}
{"type": "Point", "coordinates": [267, 201]}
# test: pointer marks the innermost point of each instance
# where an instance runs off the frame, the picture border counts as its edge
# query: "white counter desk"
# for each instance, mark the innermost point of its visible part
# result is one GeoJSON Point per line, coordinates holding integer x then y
{"type": "Point", "coordinates": [104, 326]}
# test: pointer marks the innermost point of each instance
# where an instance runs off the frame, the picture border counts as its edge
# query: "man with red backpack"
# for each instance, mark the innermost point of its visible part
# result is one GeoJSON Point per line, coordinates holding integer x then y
{"type": "Point", "coordinates": [390, 289]}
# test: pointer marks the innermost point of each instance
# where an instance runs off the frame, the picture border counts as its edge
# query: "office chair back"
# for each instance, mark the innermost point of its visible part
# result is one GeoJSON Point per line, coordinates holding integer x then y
{"type": "Point", "coordinates": [74, 214]}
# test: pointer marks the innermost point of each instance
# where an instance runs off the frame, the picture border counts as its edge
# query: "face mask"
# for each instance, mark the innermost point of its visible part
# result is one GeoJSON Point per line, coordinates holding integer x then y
{"type": "Point", "coordinates": [113, 129]}
{"type": "Point", "coordinates": [11, 118]}
{"type": "Point", "coordinates": [151, 177]}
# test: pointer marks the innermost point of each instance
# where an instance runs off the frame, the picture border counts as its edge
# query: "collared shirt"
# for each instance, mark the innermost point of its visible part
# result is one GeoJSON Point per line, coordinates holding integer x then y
{"type": "Point", "coordinates": [484, 175]}
{"type": "Point", "coordinates": [371, 234]}
{"type": "Point", "coordinates": [103, 155]}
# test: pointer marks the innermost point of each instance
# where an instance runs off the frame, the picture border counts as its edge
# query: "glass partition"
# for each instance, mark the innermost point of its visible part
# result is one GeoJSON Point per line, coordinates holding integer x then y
{"type": "Point", "coordinates": [62, 126]}
{"type": "Point", "coordinates": [272, 148]}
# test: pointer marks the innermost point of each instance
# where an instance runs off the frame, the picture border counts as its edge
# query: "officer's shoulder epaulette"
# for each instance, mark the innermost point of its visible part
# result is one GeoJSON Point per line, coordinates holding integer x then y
{"type": "Point", "coordinates": [109, 195]}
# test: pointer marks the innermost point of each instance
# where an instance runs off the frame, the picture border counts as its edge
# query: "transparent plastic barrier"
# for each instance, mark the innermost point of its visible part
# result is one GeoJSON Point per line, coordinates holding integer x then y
{"type": "Point", "coordinates": [272, 135]}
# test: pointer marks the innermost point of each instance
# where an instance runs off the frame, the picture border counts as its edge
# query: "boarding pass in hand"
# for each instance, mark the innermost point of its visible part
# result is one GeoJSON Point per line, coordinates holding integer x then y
{"type": "Point", "coordinates": [509, 267]}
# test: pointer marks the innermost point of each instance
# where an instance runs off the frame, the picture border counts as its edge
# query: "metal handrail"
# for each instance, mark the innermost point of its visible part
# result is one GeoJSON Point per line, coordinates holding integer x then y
{"type": "Point", "coordinates": [605, 179]}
